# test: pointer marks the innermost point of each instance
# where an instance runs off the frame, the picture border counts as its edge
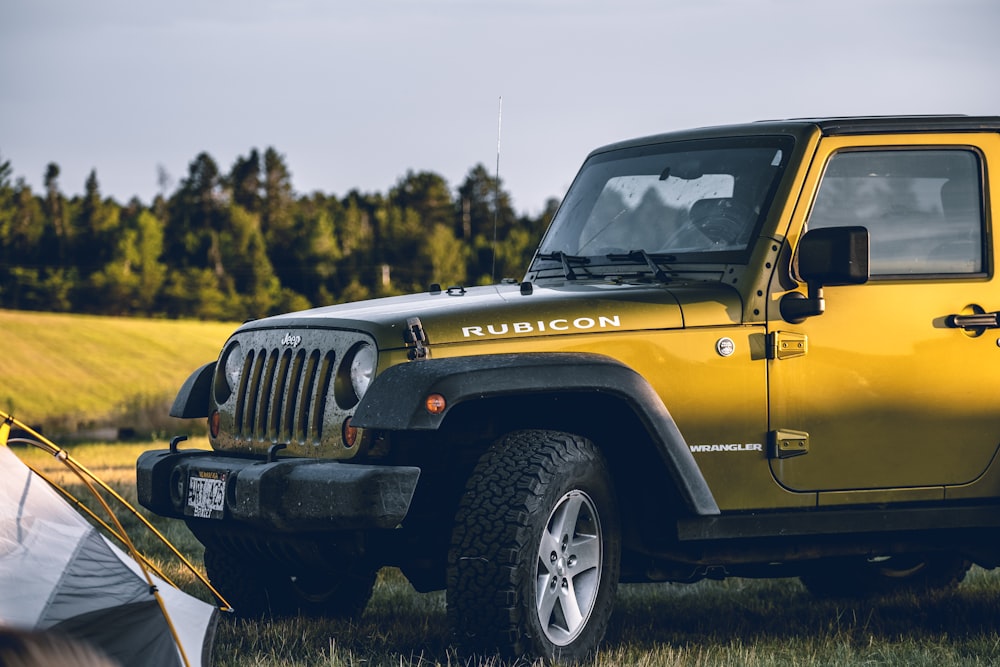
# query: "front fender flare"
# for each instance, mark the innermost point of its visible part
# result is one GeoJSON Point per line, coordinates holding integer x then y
{"type": "Point", "coordinates": [195, 395]}
{"type": "Point", "coordinates": [395, 400]}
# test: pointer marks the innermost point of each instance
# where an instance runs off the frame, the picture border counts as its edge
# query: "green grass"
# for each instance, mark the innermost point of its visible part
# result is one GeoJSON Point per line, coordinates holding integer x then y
{"type": "Point", "coordinates": [72, 373]}
{"type": "Point", "coordinates": [737, 622]}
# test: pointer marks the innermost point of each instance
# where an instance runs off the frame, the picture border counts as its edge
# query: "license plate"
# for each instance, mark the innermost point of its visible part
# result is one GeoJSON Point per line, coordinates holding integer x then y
{"type": "Point", "coordinates": [206, 494]}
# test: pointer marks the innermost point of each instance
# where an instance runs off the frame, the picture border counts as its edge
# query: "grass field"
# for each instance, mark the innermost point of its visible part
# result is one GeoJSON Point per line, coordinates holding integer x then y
{"type": "Point", "coordinates": [728, 623]}
{"type": "Point", "coordinates": [67, 371]}
{"type": "Point", "coordinates": [74, 373]}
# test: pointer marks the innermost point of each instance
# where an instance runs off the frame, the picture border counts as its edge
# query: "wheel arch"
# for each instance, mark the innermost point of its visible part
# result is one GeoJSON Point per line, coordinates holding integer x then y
{"type": "Point", "coordinates": [589, 394]}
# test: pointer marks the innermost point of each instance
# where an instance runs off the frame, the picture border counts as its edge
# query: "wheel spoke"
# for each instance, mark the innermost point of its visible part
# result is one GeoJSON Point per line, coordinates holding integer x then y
{"type": "Point", "coordinates": [587, 553]}
{"type": "Point", "coordinates": [571, 608]}
{"type": "Point", "coordinates": [569, 516]}
{"type": "Point", "coordinates": [548, 546]}
{"type": "Point", "coordinates": [585, 588]}
{"type": "Point", "coordinates": [546, 598]}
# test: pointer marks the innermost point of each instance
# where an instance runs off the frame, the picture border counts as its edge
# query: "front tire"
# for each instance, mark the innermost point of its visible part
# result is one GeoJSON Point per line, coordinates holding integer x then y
{"type": "Point", "coordinates": [255, 590]}
{"type": "Point", "coordinates": [535, 552]}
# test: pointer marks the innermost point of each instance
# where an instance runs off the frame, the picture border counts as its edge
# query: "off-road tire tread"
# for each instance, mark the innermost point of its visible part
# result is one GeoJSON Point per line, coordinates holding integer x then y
{"type": "Point", "coordinates": [255, 590]}
{"type": "Point", "coordinates": [241, 585]}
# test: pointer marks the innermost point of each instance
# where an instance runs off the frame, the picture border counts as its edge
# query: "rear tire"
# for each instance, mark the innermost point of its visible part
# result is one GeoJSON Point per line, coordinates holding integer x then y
{"type": "Point", "coordinates": [534, 560]}
{"type": "Point", "coordinates": [859, 578]}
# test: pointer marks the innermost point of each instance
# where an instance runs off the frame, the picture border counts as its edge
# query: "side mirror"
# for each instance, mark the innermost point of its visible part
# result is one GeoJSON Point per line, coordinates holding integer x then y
{"type": "Point", "coordinates": [825, 257]}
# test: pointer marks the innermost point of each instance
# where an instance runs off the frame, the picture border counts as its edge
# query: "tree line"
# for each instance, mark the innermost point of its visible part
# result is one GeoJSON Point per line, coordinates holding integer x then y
{"type": "Point", "coordinates": [242, 244]}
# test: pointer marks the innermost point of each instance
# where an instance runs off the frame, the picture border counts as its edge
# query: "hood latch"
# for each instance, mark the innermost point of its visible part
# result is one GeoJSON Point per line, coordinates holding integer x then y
{"type": "Point", "coordinates": [415, 340]}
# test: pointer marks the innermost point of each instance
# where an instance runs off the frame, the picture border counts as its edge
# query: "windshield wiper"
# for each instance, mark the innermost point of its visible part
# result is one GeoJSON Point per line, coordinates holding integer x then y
{"type": "Point", "coordinates": [567, 262]}
{"type": "Point", "coordinates": [651, 261]}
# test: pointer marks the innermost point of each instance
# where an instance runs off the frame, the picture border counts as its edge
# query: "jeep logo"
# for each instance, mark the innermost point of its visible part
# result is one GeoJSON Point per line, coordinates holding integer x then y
{"type": "Point", "coordinates": [290, 340]}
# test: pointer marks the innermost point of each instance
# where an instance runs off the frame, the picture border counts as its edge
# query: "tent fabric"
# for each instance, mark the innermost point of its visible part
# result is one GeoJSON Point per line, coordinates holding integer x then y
{"type": "Point", "coordinates": [133, 634]}
{"type": "Point", "coordinates": [58, 572]}
{"type": "Point", "coordinates": [94, 567]}
{"type": "Point", "coordinates": [195, 622]}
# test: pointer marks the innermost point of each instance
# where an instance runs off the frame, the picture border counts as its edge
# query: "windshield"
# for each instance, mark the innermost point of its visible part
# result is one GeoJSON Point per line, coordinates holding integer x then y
{"type": "Point", "coordinates": [699, 201]}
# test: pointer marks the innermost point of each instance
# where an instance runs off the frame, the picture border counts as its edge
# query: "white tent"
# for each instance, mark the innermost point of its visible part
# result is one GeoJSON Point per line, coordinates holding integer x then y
{"type": "Point", "coordinates": [57, 572]}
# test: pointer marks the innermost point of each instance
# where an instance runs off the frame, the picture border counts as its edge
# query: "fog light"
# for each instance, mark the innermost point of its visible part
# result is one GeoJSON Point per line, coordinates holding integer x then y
{"type": "Point", "coordinates": [214, 421]}
{"type": "Point", "coordinates": [177, 483]}
{"type": "Point", "coordinates": [435, 404]}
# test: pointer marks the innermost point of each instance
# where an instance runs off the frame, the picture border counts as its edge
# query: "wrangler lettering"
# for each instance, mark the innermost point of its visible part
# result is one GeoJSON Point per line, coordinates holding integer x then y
{"type": "Point", "coordinates": [734, 447]}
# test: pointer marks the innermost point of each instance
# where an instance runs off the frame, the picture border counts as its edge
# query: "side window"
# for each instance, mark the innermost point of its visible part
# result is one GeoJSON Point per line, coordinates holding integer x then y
{"type": "Point", "coordinates": [923, 208]}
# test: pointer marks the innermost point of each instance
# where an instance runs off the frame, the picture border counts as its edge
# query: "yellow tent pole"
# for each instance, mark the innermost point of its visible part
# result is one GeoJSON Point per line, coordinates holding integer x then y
{"type": "Point", "coordinates": [63, 456]}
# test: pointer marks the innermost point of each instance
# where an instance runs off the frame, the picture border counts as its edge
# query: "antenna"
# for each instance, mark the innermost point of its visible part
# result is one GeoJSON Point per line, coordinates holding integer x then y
{"type": "Point", "coordinates": [496, 194]}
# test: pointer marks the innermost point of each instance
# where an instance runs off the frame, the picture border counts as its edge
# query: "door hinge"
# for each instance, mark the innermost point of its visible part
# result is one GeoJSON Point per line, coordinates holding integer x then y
{"type": "Point", "coordinates": [784, 443]}
{"type": "Point", "coordinates": [786, 344]}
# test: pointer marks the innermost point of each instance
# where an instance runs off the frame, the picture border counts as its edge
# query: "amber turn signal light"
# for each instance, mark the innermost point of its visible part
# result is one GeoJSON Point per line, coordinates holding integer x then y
{"type": "Point", "coordinates": [350, 434]}
{"type": "Point", "coordinates": [435, 404]}
{"type": "Point", "coordinates": [214, 423]}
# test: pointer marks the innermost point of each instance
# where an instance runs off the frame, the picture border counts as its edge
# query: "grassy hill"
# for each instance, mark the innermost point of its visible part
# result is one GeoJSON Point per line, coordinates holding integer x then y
{"type": "Point", "coordinates": [78, 374]}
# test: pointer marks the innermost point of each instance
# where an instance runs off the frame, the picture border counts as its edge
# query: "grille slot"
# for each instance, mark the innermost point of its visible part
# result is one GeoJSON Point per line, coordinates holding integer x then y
{"type": "Point", "coordinates": [282, 396]}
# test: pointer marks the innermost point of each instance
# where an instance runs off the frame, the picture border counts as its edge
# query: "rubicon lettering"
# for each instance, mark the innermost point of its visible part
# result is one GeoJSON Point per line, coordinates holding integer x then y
{"type": "Point", "coordinates": [733, 447]}
{"type": "Point", "coordinates": [542, 326]}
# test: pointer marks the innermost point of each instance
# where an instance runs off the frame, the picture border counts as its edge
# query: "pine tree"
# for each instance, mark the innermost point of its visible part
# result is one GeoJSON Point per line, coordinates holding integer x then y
{"type": "Point", "coordinates": [244, 182]}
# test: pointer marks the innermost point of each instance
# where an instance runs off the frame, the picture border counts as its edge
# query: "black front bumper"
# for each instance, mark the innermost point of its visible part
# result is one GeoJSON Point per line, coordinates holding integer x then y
{"type": "Point", "coordinates": [287, 495]}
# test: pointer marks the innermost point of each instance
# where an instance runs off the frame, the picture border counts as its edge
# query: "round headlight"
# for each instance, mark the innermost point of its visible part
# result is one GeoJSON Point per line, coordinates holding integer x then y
{"type": "Point", "coordinates": [362, 368]}
{"type": "Point", "coordinates": [227, 378]}
{"type": "Point", "coordinates": [234, 365]}
{"type": "Point", "coordinates": [354, 374]}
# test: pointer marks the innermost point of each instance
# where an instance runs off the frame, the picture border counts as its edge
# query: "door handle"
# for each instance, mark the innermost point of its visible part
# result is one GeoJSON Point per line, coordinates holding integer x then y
{"type": "Point", "coordinates": [974, 321]}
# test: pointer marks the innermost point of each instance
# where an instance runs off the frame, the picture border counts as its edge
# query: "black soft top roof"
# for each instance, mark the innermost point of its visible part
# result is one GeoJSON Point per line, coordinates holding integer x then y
{"type": "Point", "coordinates": [888, 124]}
{"type": "Point", "coordinates": [799, 127]}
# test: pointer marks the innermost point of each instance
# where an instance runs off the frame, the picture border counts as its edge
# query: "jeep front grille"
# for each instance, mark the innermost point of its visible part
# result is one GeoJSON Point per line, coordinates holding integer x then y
{"type": "Point", "coordinates": [285, 391]}
{"type": "Point", "coordinates": [282, 396]}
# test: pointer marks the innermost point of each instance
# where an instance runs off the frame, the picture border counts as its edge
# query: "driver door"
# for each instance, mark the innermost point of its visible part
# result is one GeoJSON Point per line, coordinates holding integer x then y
{"type": "Point", "coordinates": [882, 391]}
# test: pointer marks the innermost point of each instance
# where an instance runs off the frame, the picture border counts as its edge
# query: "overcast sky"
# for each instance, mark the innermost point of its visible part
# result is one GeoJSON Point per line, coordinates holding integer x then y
{"type": "Point", "coordinates": [354, 94]}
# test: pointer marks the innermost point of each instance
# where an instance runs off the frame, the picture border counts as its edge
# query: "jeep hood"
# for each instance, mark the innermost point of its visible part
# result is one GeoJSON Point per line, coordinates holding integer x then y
{"type": "Point", "coordinates": [464, 315]}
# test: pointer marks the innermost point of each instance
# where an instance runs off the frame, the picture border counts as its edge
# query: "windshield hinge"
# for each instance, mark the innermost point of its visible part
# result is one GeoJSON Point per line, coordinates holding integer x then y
{"type": "Point", "coordinates": [415, 340]}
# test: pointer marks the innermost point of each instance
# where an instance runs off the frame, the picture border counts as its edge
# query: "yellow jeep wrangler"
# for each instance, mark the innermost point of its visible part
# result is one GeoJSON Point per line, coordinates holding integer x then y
{"type": "Point", "coordinates": [762, 350]}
